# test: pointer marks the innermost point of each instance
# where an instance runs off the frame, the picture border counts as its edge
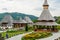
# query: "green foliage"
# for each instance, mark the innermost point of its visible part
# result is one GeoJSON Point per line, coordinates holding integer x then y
{"type": "Point", "coordinates": [26, 28]}
{"type": "Point", "coordinates": [58, 27]}
{"type": "Point", "coordinates": [34, 20]}
{"type": "Point", "coordinates": [36, 35]}
{"type": "Point", "coordinates": [13, 33]}
{"type": "Point", "coordinates": [58, 21]}
{"type": "Point", "coordinates": [28, 39]}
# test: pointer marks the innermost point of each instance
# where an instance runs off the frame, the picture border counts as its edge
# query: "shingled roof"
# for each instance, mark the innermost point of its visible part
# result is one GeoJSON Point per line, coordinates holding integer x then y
{"type": "Point", "coordinates": [45, 17]}
{"type": "Point", "coordinates": [46, 23]}
{"type": "Point", "coordinates": [19, 21]}
{"type": "Point", "coordinates": [7, 18]}
{"type": "Point", "coordinates": [27, 19]}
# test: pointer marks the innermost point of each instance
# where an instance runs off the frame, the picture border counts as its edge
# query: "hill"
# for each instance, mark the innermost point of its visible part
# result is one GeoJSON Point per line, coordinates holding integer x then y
{"type": "Point", "coordinates": [17, 15]}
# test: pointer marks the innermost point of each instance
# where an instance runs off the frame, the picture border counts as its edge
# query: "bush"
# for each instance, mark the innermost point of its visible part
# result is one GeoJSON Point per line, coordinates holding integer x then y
{"type": "Point", "coordinates": [58, 27]}
{"type": "Point", "coordinates": [11, 31]}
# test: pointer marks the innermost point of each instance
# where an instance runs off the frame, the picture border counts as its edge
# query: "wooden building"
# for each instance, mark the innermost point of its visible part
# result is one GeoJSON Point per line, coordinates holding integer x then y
{"type": "Point", "coordinates": [9, 22]}
{"type": "Point", "coordinates": [19, 23]}
{"type": "Point", "coordinates": [28, 20]}
{"type": "Point", "coordinates": [46, 21]}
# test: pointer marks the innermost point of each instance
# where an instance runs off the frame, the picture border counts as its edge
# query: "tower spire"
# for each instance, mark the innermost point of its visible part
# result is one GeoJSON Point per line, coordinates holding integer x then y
{"type": "Point", "coordinates": [45, 5]}
{"type": "Point", "coordinates": [45, 2]}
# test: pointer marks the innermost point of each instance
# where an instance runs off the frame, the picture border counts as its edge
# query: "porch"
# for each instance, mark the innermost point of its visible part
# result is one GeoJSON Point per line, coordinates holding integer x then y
{"type": "Point", "coordinates": [45, 28]}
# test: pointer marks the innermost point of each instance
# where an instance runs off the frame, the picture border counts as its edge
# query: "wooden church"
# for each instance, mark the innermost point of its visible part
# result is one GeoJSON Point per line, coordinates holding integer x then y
{"type": "Point", "coordinates": [46, 21]}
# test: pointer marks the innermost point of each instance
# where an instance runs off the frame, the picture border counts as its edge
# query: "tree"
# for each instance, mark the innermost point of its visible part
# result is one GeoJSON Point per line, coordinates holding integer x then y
{"type": "Point", "coordinates": [26, 28]}
{"type": "Point", "coordinates": [58, 21]}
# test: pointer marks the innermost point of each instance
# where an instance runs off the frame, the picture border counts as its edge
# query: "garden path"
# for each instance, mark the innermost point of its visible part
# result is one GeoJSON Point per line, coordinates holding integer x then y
{"type": "Point", "coordinates": [18, 37]}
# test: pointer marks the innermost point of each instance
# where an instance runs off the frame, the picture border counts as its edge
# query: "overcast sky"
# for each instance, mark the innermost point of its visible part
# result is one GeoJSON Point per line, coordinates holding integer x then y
{"type": "Point", "coordinates": [31, 7]}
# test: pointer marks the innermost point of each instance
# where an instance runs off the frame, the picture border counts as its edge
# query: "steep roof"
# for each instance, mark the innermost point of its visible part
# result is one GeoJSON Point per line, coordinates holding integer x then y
{"type": "Point", "coordinates": [45, 15]}
{"type": "Point", "coordinates": [27, 19]}
{"type": "Point", "coordinates": [46, 23]}
{"type": "Point", "coordinates": [7, 18]}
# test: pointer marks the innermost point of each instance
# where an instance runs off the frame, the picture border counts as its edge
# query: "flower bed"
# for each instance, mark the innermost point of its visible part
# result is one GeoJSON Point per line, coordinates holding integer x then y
{"type": "Point", "coordinates": [36, 35]}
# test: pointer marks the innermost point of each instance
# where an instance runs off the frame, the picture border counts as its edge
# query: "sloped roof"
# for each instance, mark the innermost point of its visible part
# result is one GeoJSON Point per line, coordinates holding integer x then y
{"type": "Point", "coordinates": [16, 21]}
{"type": "Point", "coordinates": [45, 15]}
{"type": "Point", "coordinates": [19, 21]}
{"type": "Point", "coordinates": [27, 19]}
{"type": "Point", "coordinates": [7, 18]}
{"type": "Point", "coordinates": [46, 23]}
{"type": "Point", "coordinates": [22, 20]}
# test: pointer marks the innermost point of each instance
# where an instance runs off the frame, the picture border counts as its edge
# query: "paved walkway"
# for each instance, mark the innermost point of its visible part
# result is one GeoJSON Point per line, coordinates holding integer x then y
{"type": "Point", "coordinates": [55, 36]}
{"type": "Point", "coordinates": [18, 37]}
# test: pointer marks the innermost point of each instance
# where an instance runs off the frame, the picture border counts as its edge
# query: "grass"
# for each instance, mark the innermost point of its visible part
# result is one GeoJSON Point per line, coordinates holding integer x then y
{"type": "Point", "coordinates": [13, 33]}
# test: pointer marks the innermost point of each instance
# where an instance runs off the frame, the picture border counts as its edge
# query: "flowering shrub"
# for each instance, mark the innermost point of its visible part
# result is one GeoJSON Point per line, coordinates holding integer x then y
{"type": "Point", "coordinates": [36, 35]}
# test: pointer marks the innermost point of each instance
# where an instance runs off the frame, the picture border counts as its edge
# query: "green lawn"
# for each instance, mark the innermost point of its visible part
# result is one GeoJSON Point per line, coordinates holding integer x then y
{"type": "Point", "coordinates": [14, 33]}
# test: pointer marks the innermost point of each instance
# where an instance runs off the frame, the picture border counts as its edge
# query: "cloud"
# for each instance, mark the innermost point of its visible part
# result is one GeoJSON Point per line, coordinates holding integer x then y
{"type": "Point", "coordinates": [33, 7]}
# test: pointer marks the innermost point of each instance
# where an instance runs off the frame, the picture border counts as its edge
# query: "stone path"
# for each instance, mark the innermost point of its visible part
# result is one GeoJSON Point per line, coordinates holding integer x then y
{"type": "Point", "coordinates": [18, 37]}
